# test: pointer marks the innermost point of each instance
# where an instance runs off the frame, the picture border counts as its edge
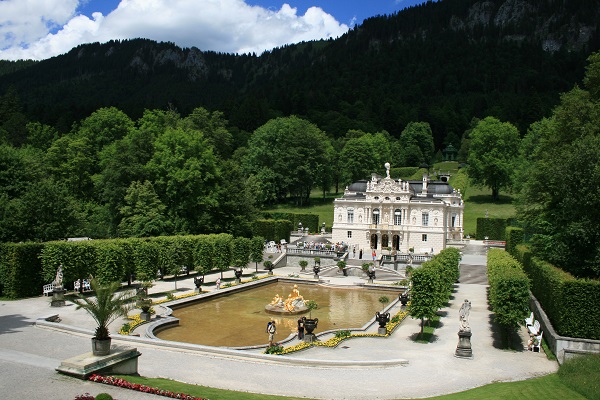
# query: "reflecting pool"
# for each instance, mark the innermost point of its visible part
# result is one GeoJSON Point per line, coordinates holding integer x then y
{"type": "Point", "coordinates": [239, 319]}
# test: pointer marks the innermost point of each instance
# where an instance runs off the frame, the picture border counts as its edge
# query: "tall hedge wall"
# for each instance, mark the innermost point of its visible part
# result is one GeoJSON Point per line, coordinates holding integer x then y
{"type": "Point", "coordinates": [570, 303]}
{"type": "Point", "coordinates": [509, 289]}
{"type": "Point", "coordinates": [272, 229]}
{"type": "Point", "coordinates": [514, 237]}
{"type": "Point", "coordinates": [25, 268]}
{"type": "Point", "coordinates": [310, 221]}
{"type": "Point", "coordinates": [20, 270]}
{"type": "Point", "coordinates": [493, 228]}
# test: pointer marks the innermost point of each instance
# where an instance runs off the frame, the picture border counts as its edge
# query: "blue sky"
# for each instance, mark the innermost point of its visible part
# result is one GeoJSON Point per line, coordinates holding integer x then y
{"type": "Point", "coordinates": [39, 29]}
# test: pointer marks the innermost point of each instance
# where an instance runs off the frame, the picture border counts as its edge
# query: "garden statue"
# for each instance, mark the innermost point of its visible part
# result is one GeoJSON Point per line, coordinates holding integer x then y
{"type": "Point", "coordinates": [463, 350]}
{"type": "Point", "coordinates": [58, 293]}
{"type": "Point", "coordinates": [58, 281]}
{"type": "Point", "coordinates": [463, 315]}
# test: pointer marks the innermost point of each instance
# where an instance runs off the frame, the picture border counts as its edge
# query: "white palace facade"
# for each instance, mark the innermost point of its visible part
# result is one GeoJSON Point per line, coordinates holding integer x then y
{"type": "Point", "coordinates": [391, 213]}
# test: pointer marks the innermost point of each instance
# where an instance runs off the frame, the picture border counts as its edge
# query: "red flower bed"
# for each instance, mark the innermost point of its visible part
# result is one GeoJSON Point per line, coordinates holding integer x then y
{"type": "Point", "coordinates": [111, 380]}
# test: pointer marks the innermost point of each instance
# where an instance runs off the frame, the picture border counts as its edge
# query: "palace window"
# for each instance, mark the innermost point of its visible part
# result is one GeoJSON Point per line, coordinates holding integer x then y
{"type": "Point", "coordinates": [397, 217]}
{"type": "Point", "coordinates": [376, 216]}
{"type": "Point", "coordinates": [349, 234]}
{"type": "Point", "coordinates": [425, 219]}
{"type": "Point", "coordinates": [424, 238]}
{"type": "Point", "coordinates": [351, 215]}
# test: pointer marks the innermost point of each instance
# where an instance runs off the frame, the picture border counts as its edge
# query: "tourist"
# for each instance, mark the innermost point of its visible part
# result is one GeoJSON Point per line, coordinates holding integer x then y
{"type": "Point", "coordinates": [218, 283]}
{"type": "Point", "coordinates": [374, 254]}
{"type": "Point", "coordinates": [301, 328]}
{"type": "Point", "coordinates": [272, 330]}
{"type": "Point", "coordinates": [354, 252]}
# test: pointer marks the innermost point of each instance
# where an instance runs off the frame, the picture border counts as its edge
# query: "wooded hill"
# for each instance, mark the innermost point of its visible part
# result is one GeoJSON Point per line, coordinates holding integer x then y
{"type": "Point", "coordinates": [441, 62]}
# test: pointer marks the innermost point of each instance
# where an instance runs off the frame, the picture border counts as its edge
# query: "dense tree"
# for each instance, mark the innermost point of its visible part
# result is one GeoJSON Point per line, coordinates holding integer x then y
{"type": "Point", "coordinates": [143, 213]}
{"type": "Point", "coordinates": [287, 153]}
{"type": "Point", "coordinates": [184, 170]}
{"type": "Point", "coordinates": [493, 152]}
{"type": "Point", "coordinates": [415, 145]}
{"type": "Point", "coordinates": [358, 159]}
{"type": "Point", "coordinates": [560, 197]}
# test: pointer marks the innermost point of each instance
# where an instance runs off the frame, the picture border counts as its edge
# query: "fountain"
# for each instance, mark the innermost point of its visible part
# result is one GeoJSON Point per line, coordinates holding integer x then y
{"type": "Point", "coordinates": [294, 304]}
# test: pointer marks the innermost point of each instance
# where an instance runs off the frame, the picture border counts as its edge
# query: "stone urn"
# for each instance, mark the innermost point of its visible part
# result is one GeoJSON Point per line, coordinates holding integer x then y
{"type": "Point", "coordinates": [371, 275]}
{"type": "Point", "coordinates": [144, 305]}
{"type": "Point", "coordinates": [382, 319]}
{"type": "Point", "coordinates": [310, 324]}
{"type": "Point", "coordinates": [238, 275]}
{"type": "Point", "coordinates": [316, 270]}
{"type": "Point", "coordinates": [403, 299]}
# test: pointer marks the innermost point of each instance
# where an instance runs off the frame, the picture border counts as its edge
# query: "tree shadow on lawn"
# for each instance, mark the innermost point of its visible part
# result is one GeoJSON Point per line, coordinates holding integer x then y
{"type": "Point", "coordinates": [487, 199]}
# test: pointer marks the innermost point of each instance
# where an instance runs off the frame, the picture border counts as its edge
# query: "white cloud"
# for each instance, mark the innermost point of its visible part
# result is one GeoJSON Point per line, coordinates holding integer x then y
{"type": "Point", "coordinates": [219, 25]}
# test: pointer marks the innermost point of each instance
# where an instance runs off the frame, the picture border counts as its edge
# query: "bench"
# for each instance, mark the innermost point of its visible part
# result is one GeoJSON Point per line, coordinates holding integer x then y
{"type": "Point", "coordinates": [529, 321]}
{"type": "Point", "coordinates": [535, 328]}
{"type": "Point", "coordinates": [48, 289]}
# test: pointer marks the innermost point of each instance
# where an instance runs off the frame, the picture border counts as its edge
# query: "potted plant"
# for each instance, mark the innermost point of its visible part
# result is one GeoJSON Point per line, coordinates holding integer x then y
{"type": "Point", "coordinates": [342, 267]}
{"type": "Point", "coordinates": [269, 266]}
{"type": "Point", "coordinates": [303, 264]}
{"type": "Point", "coordinates": [382, 318]}
{"type": "Point", "coordinates": [310, 323]}
{"type": "Point", "coordinates": [105, 307]}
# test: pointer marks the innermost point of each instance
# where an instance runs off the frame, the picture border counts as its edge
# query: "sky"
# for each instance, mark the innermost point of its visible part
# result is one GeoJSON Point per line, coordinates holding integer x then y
{"type": "Point", "coordinates": [40, 29]}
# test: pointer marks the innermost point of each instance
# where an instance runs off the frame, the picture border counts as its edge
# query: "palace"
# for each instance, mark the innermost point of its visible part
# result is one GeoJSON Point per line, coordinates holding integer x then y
{"type": "Point", "coordinates": [391, 213]}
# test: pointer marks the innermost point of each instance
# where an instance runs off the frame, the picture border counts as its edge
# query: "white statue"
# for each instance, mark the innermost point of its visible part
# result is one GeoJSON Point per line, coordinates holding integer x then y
{"type": "Point", "coordinates": [58, 281]}
{"type": "Point", "coordinates": [463, 315]}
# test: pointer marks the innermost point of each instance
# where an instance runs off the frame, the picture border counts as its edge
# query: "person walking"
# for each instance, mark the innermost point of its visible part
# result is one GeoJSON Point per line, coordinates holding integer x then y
{"type": "Point", "coordinates": [301, 328]}
{"type": "Point", "coordinates": [272, 330]}
{"type": "Point", "coordinates": [218, 283]}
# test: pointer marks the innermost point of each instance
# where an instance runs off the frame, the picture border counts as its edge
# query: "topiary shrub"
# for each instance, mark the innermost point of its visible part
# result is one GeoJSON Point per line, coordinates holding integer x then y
{"type": "Point", "coordinates": [104, 396]}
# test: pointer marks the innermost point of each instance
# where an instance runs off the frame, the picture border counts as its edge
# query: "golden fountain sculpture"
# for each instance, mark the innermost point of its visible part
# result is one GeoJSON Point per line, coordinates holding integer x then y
{"type": "Point", "coordinates": [294, 304]}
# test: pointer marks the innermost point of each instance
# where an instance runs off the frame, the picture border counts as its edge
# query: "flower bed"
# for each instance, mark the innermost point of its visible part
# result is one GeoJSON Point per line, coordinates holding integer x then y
{"type": "Point", "coordinates": [110, 380]}
{"type": "Point", "coordinates": [335, 341]}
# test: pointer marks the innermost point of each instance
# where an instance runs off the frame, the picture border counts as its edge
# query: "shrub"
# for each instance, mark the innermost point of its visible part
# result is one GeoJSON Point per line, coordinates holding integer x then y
{"type": "Point", "coordinates": [493, 228]}
{"type": "Point", "coordinates": [104, 396]}
{"type": "Point", "coordinates": [342, 334]}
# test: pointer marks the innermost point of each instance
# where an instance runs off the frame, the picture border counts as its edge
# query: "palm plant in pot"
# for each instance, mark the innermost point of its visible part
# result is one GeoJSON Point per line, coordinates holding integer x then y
{"type": "Point", "coordinates": [105, 307]}
{"type": "Point", "coordinates": [303, 264]}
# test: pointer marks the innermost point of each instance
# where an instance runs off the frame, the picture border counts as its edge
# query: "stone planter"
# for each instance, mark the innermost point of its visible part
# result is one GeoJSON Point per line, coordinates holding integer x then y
{"type": "Point", "coordinates": [198, 281]}
{"type": "Point", "coordinates": [145, 316]}
{"type": "Point", "coordinates": [316, 270]}
{"type": "Point", "coordinates": [238, 275]}
{"type": "Point", "coordinates": [403, 299]}
{"type": "Point", "coordinates": [101, 347]}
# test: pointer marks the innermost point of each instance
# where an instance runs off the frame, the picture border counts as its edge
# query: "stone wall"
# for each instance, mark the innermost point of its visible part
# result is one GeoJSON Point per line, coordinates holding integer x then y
{"type": "Point", "coordinates": [563, 347]}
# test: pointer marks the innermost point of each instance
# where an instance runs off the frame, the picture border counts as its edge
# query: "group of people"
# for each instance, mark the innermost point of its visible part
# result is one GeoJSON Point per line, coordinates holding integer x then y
{"type": "Point", "coordinates": [272, 330]}
{"type": "Point", "coordinates": [338, 247]}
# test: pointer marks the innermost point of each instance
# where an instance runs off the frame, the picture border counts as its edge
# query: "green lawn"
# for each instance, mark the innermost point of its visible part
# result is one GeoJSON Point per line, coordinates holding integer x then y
{"type": "Point", "coordinates": [479, 201]}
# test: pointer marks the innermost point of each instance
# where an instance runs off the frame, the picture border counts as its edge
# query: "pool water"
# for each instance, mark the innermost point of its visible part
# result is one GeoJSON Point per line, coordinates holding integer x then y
{"type": "Point", "coordinates": [240, 319]}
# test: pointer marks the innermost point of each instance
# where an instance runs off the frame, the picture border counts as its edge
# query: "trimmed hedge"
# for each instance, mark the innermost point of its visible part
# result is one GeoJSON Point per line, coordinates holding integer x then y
{"type": "Point", "coordinates": [404, 173]}
{"type": "Point", "coordinates": [514, 236]}
{"type": "Point", "coordinates": [509, 290]}
{"type": "Point", "coordinates": [310, 221]}
{"type": "Point", "coordinates": [26, 267]}
{"type": "Point", "coordinates": [570, 303]}
{"type": "Point", "coordinates": [20, 270]}
{"type": "Point", "coordinates": [272, 229]}
{"type": "Point", "coordinates": [493, 228]}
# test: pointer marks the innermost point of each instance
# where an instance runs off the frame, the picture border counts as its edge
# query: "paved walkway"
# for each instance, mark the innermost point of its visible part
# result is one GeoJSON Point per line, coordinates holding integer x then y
{"type": "Point", "coordinates": [29, 355]}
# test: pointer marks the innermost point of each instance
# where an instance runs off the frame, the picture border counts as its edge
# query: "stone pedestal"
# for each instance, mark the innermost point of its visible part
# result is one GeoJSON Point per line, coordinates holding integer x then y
{"type": "Point", "coordinates": [121, 360]}
{"type": "Point", "coordinates": [145, 316]}
{"type": "Point", "coordinates": [309, 337]}
{"type": "Point", "coordinates": [381, 331]}
{"type": "Point", "coordinates": [463, 350]}
{"type": "Point", "coordinates": [58, 297]}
